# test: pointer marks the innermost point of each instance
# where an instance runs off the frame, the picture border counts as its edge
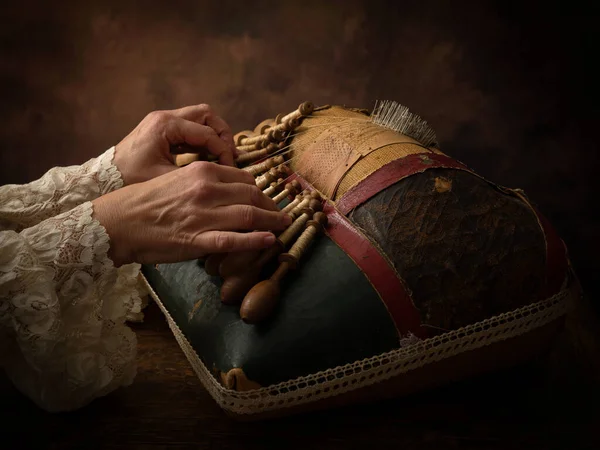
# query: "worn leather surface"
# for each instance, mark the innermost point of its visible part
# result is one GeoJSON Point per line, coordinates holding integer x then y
{"type": "Point", "coordinates": [328, 315]}
{"type": "Point", "coordinates": [390, 174]}
{"type": "Point", "coordinates": [466, 250]}
{"type": "Point", "coordinates": [374, 264]}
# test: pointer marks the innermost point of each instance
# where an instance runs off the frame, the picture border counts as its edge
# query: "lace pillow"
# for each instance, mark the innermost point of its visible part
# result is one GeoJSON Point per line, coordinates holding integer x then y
{"type": "Point", "coordinates": [426, 273]}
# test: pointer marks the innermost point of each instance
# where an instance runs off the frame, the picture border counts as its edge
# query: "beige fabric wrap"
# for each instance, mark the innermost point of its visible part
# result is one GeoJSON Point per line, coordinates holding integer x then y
{"type": "Point", "coordinates": [335, 148]}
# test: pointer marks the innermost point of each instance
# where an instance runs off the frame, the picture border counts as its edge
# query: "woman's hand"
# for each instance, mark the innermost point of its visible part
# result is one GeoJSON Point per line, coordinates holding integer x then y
{"type": "Point", "coordinates": [146, 152]}
{"type": "Point", "coordinates": [186, 214]}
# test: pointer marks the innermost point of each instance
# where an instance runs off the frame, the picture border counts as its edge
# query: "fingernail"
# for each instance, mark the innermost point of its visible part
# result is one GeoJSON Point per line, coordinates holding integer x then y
{"type": "Point", "coordinates": [269, 240]}
{"type": "Point", "coordinates": [287, 220]}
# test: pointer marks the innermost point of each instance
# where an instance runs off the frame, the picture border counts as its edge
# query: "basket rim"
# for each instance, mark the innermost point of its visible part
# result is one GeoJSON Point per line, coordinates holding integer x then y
{"type": "Point", "coordinates": [377, 368]}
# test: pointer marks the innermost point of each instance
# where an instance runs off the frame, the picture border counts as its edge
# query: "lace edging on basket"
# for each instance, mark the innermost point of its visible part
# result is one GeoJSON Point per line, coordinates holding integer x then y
{"type": "Point", "coordinates": [341, 379]}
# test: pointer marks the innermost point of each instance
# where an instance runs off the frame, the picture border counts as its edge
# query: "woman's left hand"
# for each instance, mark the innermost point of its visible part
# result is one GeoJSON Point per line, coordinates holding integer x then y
{"type": "Point", "coordinates": [146, 152]}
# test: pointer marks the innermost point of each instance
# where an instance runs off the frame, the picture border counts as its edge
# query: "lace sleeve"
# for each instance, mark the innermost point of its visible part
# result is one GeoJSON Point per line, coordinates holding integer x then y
{"type": "Point", "coordinates": [59, 190]}
{"type": "Point", "coordinates": [63, 307]}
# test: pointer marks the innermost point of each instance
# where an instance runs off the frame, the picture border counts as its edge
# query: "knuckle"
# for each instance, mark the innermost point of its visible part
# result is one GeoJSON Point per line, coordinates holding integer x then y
{"type": "Point", "coordinates": [158, 117]}
{"type": "Point", "coordinates": [202, 189]}
{"type": "Point", "coordinates": [247, 216]}
{"type": "Point", "coordinates": [249, 178]}
{"type": "Point", "coordinates": [256, 195]}
{"type": "Point", "coordinates": [200, 168]}
{"type": "Point", "coordinates": [206, 108]}
{"type": "Point", "coordinates": [223, 242]}
{"type": "Point", "coordinates": [209, 133]}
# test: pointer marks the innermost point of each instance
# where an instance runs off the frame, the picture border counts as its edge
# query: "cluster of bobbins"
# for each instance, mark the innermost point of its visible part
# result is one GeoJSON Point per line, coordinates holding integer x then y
{"type": "Point", "coordinates": [261, 153]}
{"type": "Point", "coordinates": [270, 135]}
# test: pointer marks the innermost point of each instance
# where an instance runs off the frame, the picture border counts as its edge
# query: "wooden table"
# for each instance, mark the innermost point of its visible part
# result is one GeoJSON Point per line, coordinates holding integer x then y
{"type": "Point", "coordinates": [551, 403]}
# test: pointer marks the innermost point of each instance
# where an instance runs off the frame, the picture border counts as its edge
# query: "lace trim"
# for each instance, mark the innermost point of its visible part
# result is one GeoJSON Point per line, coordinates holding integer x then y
{"type": "Point", "coordinates": [109, 176]}
{"type": "Point", "coordinates": [339, 380]}
{"type": "Point", "coordinates": [63, 307]}
{"type": "Point", "coordinates": [135, 292]}
{"type": "Point", "coordinates": [59, 190]}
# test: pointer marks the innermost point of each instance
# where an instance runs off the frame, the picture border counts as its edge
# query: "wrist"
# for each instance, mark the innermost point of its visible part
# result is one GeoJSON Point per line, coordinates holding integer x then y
{"type": "Point", "coordinates": [121, 163]}
{"type": "Point", "coordinates": [110, 213]}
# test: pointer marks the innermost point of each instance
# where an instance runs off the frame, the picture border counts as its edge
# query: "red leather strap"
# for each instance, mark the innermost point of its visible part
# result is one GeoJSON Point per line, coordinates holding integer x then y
{"type": "Point", "coordinates": [377, 269]}
{"type": "Point", "coordinates": [392, 173]}
{"type": "Point", "coordinates": [556, 258]}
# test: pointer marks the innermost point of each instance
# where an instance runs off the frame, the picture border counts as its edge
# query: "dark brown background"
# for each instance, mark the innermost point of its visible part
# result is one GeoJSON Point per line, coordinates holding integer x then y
{"type": "Point", "coordinates": [511, 90]}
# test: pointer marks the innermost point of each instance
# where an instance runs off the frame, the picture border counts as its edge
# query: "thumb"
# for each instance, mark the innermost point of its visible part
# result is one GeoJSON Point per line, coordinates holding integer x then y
{"type": "Point", "coordinates": [228, 241]}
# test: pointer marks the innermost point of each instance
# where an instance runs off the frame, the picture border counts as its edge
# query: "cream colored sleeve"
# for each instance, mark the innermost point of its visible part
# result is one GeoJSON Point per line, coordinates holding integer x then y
{"type": "Point", "coordinates": [59, 190]}
{"type": "Point", "coordinates": [64, 340]}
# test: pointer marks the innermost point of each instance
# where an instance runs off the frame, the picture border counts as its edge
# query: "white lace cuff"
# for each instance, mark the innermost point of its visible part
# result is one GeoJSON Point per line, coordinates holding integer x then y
{"type": "Point", "coordinates": [59, 190]}
{"type": "Point", "coordinates": [63, 307]}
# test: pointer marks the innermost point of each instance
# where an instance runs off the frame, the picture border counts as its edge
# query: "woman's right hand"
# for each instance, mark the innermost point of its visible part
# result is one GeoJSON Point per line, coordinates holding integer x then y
{"type": "Point", "coordinates": [186, 214]}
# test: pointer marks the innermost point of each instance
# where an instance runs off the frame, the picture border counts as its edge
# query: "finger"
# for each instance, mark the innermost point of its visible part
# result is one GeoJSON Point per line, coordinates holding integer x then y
{"type": "Point", "coordinates": [242, 194]}
{"type": "Point", "coordinates": [246, 217]}
{"type": "Point", "coordinates": [204, 115]}
{"type": "Point", "coordinates": [195, 113]}
{"type": "Point", "coordinates": [233, 175]}
{"type": "Point", "coordinates": [227, 241]}
{"type": "Point", "coordinates": [222, 129]}
{"type": "Point", "coordinates": [237, 262]}
{"type": "Point", "coordinates": [179, 131]}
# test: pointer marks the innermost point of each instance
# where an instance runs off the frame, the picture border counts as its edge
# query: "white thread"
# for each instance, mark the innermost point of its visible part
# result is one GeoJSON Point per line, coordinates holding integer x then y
{"type": "Point", "coordinates": [397, 117]}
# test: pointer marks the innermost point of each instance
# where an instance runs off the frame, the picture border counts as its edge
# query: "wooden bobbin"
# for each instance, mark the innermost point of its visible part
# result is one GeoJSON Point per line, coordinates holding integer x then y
{"type": "Point", "coordinates": [313, 227]}
{"type": "Point", "coordinates": [262, 127]}
{"type": "Point", "coordinates": [289, 189]}
{"type": "Point", "coordinates": [259, 141]}
{"type": "Point", "coordinates": [288, 125]}
{"type": "Point", "coordinates": [274, 173]}
{"type": "Point", "coordinates": [260, 168]}
{"type": "Point", "coordinates": [297, 210]}
{"type": "Point", "coordinates": [292, 124]}
{"type": "Point", "coordinates": [185, 154]}
{"type": "Point", "coordinates": [237, 262]}
{"type": "Point", "coordinates": [237, 138]}
{"type": "Point", "coordinates": [284, 170]}
{"type": "Point", "coordinates": [261, 300]}
{"type": "Point", "coordinates": [257, 169]}
{"type": "Point", "coordinates": [212, 263]}
{"type": "Point", "coordinates": [264, 180]}
{"type": "Point", "coordinates": [273, 188]}
{"type": "Point", "coordinates": [235, 287]}
{"type": "Point", "coordinates": [272, 135]}
{"type": "Point", "coordinates": [255, 155]}
{"type": "Point", "coordinates": [276, 135]}
{"type": "Point", "coordinates": [287, 208]}
{"type": "Point", "coordinates": [186, 158]}
{"type": "Point", "coordinates": [304, 109]}
{"type": "Point", "coordinates": [249, 147]}
{"type": "Point", "coordinates": [298, 224]}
